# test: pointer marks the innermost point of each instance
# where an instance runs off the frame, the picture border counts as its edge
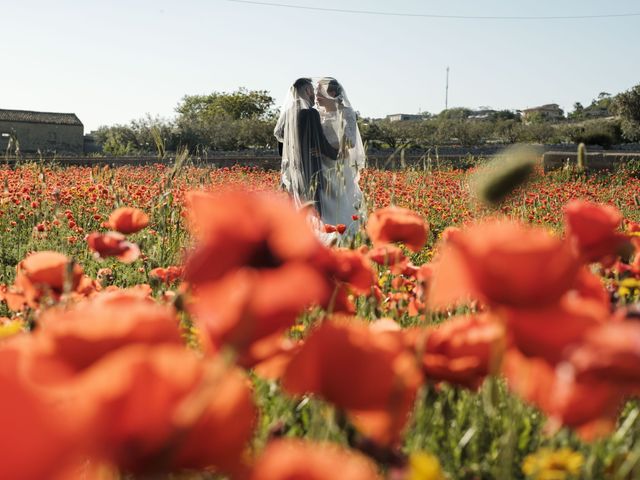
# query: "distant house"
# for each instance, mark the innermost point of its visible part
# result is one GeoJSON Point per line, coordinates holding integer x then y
{"type": "Point", "coordinates": [550, 112]}
{"type": "Point", "coordinates": [401, 117]}
{"type": "Point", "coordinates": [596, 112]}
{"type": "Point", "coordinates": [44, 131]}
{"type": "Point", "coordinates": [482, 114]}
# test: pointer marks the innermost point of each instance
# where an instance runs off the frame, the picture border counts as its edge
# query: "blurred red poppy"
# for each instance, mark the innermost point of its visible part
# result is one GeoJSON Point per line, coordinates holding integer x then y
{"type": "Point", "coordinates": [41, 274]}
{"type": "Point", "coordinates": [593, 228]}
{"type": "Point", "coordinates": [462, 350]}
{"type": "Point", "coordinates": [397, 224]}
{"type": "Point", "coordinates": [255, 252]}
{"type": "Point", "coordinates": [34, 441]}
{"type": "Point", "coordinates": [610, 353]}
{"type": "Point", "coordinates": [71, 341]}
{"type": "Point", "coordinates": [113, 244]}
{"type": "Point", "coordinates": [503, 263]}
{"type": "Point", "coordinates": [242, 229]}
{"type": "Point", "coordinates": [549, 331]}
{"type": "Point", "coordinates": [303, 460]}
{"type": "Point", "coordinates": [102, 359]}
{"type": "Point", "coordinates": [589, 407]}
{"type": "Point", "coordinates": [128, 220]}
{"type": "Point", "coordinates": [389, 256]}
{"type": "Point", "coordinates": [368, 373]}
{"type": "Point", "coordinates": [249, 304]}
{"type": "Point", "coordinates": [270, 356]}
{"type": "Point", "coordinates": [166, 275]}
{"type": "Point", "coordinates": [201, 414]}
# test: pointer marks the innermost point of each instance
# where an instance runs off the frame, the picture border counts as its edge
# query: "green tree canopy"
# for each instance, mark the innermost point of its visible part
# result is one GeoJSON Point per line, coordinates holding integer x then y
{"type": "Point", "coordinates": [627, 106]}
{"type": "Point", "coordinates": [239, 105]}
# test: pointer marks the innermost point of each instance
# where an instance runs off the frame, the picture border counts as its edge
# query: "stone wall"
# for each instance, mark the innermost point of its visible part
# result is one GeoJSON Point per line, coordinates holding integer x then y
{"type": "Point", "coordinates": [601, 160]}
{"type": "Point", "coordinates": [46, 137]}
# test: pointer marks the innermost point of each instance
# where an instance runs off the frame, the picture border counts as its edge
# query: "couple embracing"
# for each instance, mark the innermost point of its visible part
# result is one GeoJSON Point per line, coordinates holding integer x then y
{"type": "Point", "coordinates": [322, 153]}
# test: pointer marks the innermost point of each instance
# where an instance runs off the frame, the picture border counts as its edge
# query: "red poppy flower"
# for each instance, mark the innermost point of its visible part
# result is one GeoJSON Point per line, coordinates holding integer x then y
{"type": "Point", "coordinates": [35, 443]}
{"type": "Point", "coordinates": [128, 220]}
{"type": "Point", "coordinates": [179, 427]}
{"type": "Point", "coordinates": [50, 269]}
{"type": "Point", "coordinates": [610, 353]}
{"type": "Point", "coordinates": [42, 273]}
{"type": "Point", "coordinates": [70, 341]}
{"type": "Point", "coordinates": [103, 359]}
{"type": "Point", "coordinates": [270, 356]}
{"type": "Point", "coordinates": [462, 350]}
{"type": "Point", "coordinates": [354, 269]}
{"type": "Point", "coordinates": [549, 331]}
{"type": "Point", "coordinates": [450, 233]}
{"type": "Point", "coordinates": [504, 263]}
{"type": "Point", "coordinates": [592, 227]}
{"type": "Point", "coordinates": [370, 374]}
{"type": "Point", "coordinates": [254, 254]}
{"type": "Point", "coordinates": [302, 460]}
{"type": "Point", "coordinates": [397, 224]}
{"type": "Point", "coordinates": [113, 244]}
{"type": "Point", "coordinates": [249, 304]}
{"type": "Point", "coordinates": [589, 407]}
{"type": "Point", "coordinates": [389, 256]}
{"type": "Point", "coordinates": [329, 228]}
{"type": "Point", "coordinates": [244, 229]}
{"type": "Point", "coordinates": [166, 275]}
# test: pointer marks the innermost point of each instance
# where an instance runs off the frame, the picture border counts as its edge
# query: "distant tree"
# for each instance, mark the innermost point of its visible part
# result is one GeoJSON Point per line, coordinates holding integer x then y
{"type": "Point", "coordinates": [380, 134]}
{"type": "Point", "coordinates": [541, 132]}
{"type": "Point", "coordinates": [238, 105]}
{"type": "Point", "coordinates": [155, 135]}
{"type": "Point", "coordinates": [507, 131]}
{"type": "Point", "coordinates": [577, 113]}
{"type": "Point", "coordinates": [117, 140]}
{"type": "Point", "coordinates": [145, 135]}
{"type": "Point", "coordinates": [627, 106]}
{"type": "Point", "coordinates": [455, 114]}
{"type": "Point", "coordinates": [227, 121]}
{"type": "Point", "coordinates": [504, 115]}
{"type": "Point", "coordinates": [603, 132]}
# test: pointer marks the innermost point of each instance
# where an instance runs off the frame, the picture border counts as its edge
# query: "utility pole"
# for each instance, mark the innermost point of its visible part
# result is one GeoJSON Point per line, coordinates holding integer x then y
{"type": "Point", "coordinates": [446, 92]}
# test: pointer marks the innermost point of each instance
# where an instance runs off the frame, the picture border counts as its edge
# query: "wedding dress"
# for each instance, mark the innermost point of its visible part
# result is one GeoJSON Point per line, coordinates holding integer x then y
{"type": "Point", "coordinates": [341, 198]}
{"type": "Point", "coordinates": [322, 155]}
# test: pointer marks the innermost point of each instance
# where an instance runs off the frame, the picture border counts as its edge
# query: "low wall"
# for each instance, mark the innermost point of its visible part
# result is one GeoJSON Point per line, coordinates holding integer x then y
{"type": "Point", "coordinates": [602, 160]}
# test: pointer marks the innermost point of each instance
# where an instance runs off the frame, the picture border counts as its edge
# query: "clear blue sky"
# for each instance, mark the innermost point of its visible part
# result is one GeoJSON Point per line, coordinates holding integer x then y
{"type": "Point", "coordinates": [111, 62]}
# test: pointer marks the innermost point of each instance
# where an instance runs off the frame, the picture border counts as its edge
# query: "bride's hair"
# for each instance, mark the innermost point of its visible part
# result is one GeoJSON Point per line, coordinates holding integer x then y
{"type": "Point", "coordinates": [333, 88]}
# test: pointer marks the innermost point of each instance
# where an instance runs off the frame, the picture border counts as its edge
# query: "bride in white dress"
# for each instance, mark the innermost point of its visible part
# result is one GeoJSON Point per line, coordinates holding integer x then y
{"type": "Point", "coordinates": [341, 197]}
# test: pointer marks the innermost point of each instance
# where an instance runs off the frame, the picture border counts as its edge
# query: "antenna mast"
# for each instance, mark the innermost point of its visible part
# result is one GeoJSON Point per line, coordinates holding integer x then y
{"type": "Point", "coordinates": [446, 92]}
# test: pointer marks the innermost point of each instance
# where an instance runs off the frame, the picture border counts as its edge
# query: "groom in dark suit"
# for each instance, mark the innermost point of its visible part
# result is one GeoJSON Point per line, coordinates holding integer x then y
{"type": "Point", "coordinates": [312, 142]}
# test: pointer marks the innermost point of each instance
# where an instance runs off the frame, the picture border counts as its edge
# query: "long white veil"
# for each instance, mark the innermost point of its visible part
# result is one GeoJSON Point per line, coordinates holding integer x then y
{"type": "Point", "coordinates": [351, 146]}
{"type": "Point", "coordinates": [286, 132]}
{"type": "Point", "coordinates": [322, 152]}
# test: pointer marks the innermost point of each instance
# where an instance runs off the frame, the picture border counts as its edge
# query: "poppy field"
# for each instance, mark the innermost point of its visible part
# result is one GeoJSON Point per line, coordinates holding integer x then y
{"type": "Point", "coordinates": [186, 323]}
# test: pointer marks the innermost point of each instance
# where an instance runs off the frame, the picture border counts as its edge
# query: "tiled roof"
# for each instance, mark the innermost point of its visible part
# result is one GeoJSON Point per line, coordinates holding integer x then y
{"type": "Point", "coordinates": [39, 117]}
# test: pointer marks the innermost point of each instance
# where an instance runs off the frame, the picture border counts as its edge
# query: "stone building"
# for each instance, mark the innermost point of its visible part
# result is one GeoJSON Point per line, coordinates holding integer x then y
{"type": "Point", "coordinates": [402, 117]}
{"type": "Point", "coordinates": [47, 132]}
{"type": "Point", "coordinates": [551, 112]}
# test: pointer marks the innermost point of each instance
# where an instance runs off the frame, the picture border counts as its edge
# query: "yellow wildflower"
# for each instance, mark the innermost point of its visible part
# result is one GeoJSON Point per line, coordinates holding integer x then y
{"type": "Point", "coordinates": [547, 464]}
{"type": "Point", "coordinates": [424, 466]}
{"type": "Point", "coordinates": [10, 328]}
{"type": "Point", "coordinates": [628, 287]}
{"type": "Point", "coordinates": [630, 283]}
